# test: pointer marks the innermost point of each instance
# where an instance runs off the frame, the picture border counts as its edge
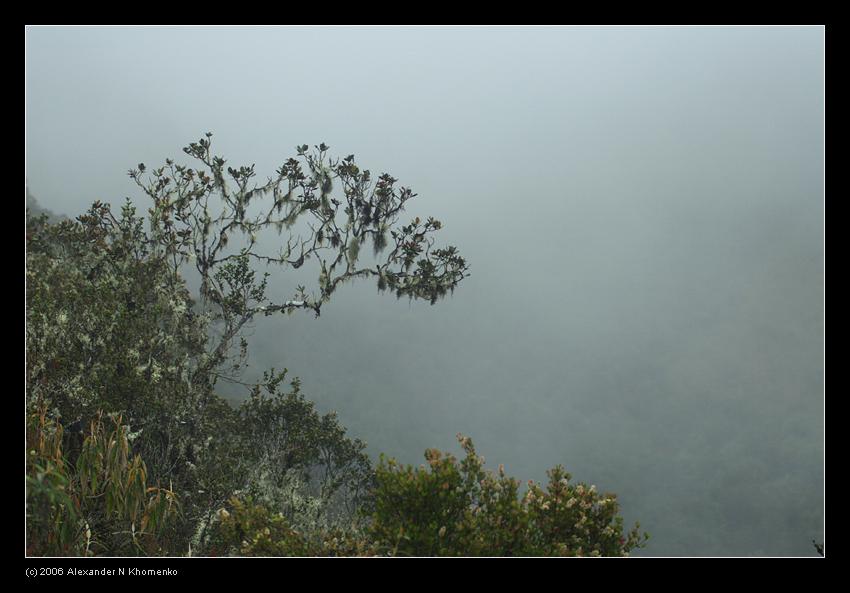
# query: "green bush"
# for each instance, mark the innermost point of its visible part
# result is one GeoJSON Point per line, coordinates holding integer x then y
{"type": "Point", "coordinates": [451, 508]}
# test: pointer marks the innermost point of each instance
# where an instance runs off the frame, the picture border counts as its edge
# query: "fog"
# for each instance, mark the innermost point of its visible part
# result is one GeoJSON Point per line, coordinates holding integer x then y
{"type": "Point", "coordinates": [642, 210]}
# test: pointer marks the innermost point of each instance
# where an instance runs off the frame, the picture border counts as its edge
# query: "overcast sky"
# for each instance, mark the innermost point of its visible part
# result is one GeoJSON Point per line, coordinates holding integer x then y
{"type": "Point", "coordinates": [642, 209]}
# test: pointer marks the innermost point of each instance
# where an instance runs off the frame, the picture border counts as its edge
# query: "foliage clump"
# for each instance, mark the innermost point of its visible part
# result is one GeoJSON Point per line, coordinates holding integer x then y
{"type": "Point", "coordinates": [451, 508]}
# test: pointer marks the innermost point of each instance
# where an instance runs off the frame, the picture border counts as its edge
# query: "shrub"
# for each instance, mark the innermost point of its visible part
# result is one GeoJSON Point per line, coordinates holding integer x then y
{"type": "Point", "coordinates": [249, 529]}
{"type": "Point", "coordinates": [451, 508]}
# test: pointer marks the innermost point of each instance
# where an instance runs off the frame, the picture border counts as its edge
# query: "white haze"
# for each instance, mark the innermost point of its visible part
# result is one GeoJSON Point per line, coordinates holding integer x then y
{"type": "Point", "coordinates": [642, 209]}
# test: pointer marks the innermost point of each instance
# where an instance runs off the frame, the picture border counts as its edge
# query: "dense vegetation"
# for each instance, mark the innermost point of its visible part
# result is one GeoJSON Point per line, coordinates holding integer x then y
{"type": "Point", "coordinates": [132, 450]}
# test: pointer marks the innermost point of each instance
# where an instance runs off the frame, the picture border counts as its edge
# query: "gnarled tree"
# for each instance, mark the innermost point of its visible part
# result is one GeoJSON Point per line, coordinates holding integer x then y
{"type": "Point", "coordinates": [212, 215]}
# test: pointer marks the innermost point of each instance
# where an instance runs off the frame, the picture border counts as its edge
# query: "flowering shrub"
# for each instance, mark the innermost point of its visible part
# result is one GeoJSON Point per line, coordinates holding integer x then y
{"type": "Point", "coordinates": [249, 529]}
{"type": "Point", "coordinates": [451, 508]}
{"type": "Point", "coordinates": [246, 528]}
